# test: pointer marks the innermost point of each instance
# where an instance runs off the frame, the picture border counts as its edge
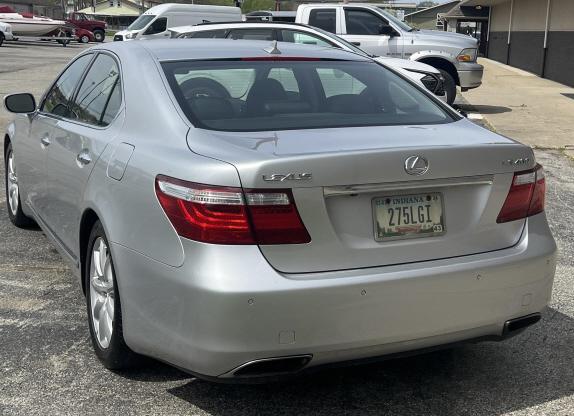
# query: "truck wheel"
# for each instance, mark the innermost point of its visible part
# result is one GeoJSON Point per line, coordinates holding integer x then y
{"type": "Point", "coordinates": [84, 39]}
{"type": "Point", "coordinates": [99, 35]}
{"type": "Point", "coordinates": [449, 86]}
{"type": "Point", "coordinates": [1, 38]}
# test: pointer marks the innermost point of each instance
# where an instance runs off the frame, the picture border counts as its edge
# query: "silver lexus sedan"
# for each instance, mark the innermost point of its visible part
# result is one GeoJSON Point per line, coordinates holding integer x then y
{"type": "Point", "coordinates": [243, 210]}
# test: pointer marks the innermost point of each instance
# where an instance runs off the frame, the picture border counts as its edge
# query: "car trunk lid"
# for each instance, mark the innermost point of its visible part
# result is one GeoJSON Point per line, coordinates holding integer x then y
{"type": "Point", "coordinates": [338, 176]}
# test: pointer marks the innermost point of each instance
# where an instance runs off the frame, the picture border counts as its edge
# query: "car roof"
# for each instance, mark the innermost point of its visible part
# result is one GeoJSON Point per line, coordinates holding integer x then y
{"type": "Point", "coordinates": [196, 8]}
{"type": "Point", "coordinates": [263, 13]}
{"type": "Point", "coordinates": [206, 49]}
{"type": "Point", "coordinates": [214, 25]}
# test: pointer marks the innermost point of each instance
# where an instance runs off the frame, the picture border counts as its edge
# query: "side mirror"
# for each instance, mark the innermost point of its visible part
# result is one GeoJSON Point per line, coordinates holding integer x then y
{"type": "Point", "coordinates": [20, 103]}
{"type": "Point", "coordinates": [387, 31]}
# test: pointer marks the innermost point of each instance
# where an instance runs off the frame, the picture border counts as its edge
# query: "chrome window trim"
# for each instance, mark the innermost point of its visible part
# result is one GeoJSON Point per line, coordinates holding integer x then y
{"type": "Point", "coordinates": [330, 191]}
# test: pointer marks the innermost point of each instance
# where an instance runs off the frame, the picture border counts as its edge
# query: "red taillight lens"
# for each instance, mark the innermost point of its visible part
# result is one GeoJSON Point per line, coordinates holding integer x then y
{"type": "Point", "coordinates": [275, 217]}
{"type": "Point", "coordinates": [225, 215]}
{"type": "Point", "coordinates": [525, 197]}
{"type": "Point", "coordinates": [539, 194]}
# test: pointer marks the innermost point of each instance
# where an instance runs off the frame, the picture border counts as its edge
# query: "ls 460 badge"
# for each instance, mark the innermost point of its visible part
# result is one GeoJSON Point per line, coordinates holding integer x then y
{"type": "Point", "coordinates": [278, 177]}
{"type": "Point", "coordinates": [516, 162]}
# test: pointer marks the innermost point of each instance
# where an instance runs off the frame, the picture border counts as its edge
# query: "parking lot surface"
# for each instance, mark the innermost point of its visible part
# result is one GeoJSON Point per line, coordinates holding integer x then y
{"type": "Point", "coordinates": [47, 365]}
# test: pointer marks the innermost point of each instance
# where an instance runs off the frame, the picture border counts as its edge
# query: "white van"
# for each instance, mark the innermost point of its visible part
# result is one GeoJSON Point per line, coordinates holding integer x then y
{"type": "Point", "coordinates": [155, 22]}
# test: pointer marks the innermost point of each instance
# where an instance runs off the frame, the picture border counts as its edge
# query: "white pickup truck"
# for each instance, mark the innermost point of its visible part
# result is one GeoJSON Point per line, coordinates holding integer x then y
{"type": "Point", "coordinates": [380, 33]}
{"type": "Point", "coordinates": [5, 32]}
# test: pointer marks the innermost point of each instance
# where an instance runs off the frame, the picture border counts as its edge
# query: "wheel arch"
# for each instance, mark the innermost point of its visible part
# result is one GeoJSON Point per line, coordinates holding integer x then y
{"type": "Point", "coordinates": [441, 63]}
{"type": "Point", "coordinates": [89, 218]}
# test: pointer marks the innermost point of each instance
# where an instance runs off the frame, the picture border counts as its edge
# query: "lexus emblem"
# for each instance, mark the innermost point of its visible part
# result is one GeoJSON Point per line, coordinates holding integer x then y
{"type": "Point", "coordinates": [416, 165]}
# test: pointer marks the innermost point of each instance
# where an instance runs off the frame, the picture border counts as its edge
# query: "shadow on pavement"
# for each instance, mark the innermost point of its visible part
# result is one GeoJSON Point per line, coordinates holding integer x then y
{"type": "Point", "coordinates": [22, 44]}
{"type": "Point", "coordinates": [150, 370]}
{"type": "Point", "coordinates": [484, 109]}
{"type": "Point", "coordinates": [484, 379]}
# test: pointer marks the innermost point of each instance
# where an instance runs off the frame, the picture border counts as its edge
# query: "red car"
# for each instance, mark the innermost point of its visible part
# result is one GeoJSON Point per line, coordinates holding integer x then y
{"type": "Point", "coordinates": [84, 35]}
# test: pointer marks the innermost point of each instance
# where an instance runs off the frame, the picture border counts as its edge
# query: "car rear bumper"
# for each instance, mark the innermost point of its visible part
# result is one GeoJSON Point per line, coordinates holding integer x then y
{"type": "Point", "coordinates": [226, 306]}
{"type": "Point", "coordinates": [470, 75]}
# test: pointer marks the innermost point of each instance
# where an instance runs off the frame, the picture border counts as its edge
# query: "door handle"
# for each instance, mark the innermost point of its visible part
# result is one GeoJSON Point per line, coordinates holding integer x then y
{"type": "Point", "coordinates": [45, 141]}
{"type": "Point", "coordinates": [356, 43]}
{"type": "Point", "coordinates": [83, 158]}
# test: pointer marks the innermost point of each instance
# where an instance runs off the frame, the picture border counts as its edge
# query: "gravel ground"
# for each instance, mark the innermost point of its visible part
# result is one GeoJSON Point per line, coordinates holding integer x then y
{"type": "Point", "coordinates": [47, 365]}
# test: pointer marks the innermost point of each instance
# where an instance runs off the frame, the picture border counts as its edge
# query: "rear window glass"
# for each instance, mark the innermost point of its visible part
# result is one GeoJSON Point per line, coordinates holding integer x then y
{"type": "Point", "coordinates": [286, 95]}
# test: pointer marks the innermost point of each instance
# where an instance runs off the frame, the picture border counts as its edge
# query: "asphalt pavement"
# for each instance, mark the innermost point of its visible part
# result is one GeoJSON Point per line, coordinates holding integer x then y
{"type": "Point", "coordinates": [47, 365]}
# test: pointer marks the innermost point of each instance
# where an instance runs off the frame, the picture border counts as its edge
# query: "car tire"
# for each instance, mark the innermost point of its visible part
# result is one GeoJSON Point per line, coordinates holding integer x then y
{"type": "Point", "coordinates": [449, 86]}
{"type": "Point", "coordinates": [13, 202]}
{"type": "Point", "coordinates": [1, 38]}
{"type": "Point", "coordinates": [99, 35]}
{"type": "Point", "coordinates": [103, 300]}
{"type": "Point", "coordinates": [84, 39]}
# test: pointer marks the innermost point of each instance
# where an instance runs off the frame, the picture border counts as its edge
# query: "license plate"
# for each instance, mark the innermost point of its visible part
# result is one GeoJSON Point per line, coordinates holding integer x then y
{"type": "Point", "coordinates": [408, 216]}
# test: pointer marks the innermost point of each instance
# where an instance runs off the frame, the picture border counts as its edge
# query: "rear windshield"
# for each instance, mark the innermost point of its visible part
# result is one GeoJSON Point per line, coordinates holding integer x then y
{"type": "Point", "coordinates": [285, 95]}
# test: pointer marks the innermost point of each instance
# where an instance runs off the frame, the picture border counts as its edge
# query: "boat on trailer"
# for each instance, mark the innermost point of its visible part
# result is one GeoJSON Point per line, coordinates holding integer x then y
{"type": "Point", "coordinates": [26, 24]}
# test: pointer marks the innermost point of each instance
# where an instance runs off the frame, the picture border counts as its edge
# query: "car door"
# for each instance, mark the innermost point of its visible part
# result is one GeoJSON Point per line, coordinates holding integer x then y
{"type": "Point", "coordinates": [157, 29]}
{"type": "Point", "coordinates": [371, 32]}
{"type": "Point", "coordinates": [34, 148]}
{"type": "Point", "coordinates": [77, 142]}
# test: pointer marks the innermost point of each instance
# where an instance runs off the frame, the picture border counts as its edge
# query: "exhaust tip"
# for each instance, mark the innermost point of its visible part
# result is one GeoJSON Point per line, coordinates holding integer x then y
{"type": "Point", "coordinates": [276, 366]}
{"type": "Point", "coordinates": [516, 325]}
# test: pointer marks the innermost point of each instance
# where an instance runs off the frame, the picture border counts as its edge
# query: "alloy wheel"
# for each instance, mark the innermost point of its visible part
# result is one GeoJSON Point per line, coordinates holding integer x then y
{"type": "Point", "coordinates": [102, 294]}
{"type": "Point", "coordinates": [13, 189]}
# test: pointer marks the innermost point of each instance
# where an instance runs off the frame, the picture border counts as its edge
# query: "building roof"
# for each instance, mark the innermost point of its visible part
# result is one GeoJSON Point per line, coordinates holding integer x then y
{"type": "Point", "coordinates": [434, 7]}
{"type": "Point", "coordinates": [462, 10]}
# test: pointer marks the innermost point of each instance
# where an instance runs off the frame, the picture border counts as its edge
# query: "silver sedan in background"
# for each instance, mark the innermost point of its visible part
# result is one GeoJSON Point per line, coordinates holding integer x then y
{"type": "Point", "coordinates": [242, 209]}
{"type": "Point", "coordinates": [301, 34]}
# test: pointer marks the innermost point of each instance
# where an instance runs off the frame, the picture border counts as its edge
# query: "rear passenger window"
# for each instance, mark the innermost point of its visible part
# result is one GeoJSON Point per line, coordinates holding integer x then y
{"type": "Point", "coordinates": [295, 36]}
{"type": "Point", "coordinates": [57, 100]}
{"type": "Point", "coordinates": [252, 34]}
{"type": "Point", "coordinates": [99, 97]}
{"type": "Point", "coordinates": [208, 34]}
{"type": "Point", "coordinates": [113, 104]}
{"type": "Point", "coordinates": [325, 19]}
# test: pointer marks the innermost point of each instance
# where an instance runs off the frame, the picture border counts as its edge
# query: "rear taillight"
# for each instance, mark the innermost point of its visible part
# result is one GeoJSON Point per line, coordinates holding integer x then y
{"type": "Point", "coordinates": [525, 197]}
{"type": "Point", "coordinates": [226, 215]}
